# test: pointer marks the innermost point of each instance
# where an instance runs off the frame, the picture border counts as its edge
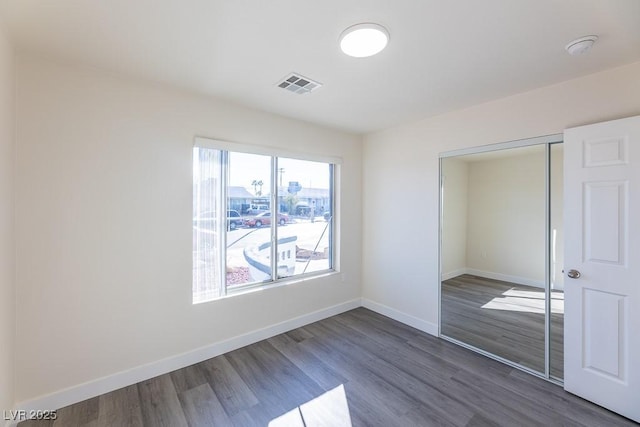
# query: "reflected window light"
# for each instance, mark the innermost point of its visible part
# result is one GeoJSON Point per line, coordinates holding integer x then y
{"type": "Point", "coordinates": [526, 301]}
{"type": "Point", "coordinates": [328, 409]}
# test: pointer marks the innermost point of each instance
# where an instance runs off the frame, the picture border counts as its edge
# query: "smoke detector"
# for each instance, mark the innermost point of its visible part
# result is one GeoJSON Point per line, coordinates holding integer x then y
{"type": "Point", "coordinates": [581, 45]}
{"type": "Point", "coordinates": [298, 84]}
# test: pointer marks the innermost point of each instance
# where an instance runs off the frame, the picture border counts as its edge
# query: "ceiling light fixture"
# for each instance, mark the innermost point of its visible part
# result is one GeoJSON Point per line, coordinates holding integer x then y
{"type": "Point", "coordinates": [581, 45]}
{"type": "Point", "coordinates": [362, 40]}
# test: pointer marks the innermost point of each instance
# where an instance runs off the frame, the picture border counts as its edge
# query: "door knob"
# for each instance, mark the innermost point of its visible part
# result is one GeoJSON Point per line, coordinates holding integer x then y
{"type": "Point", "coordinates": [574, 274]}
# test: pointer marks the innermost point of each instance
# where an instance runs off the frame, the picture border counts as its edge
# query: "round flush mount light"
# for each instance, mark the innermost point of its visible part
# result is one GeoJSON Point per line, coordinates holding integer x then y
{"type": "Point", "coordinates": [362, 40]}
{"type": "Point", "coordinates": [581, 45]}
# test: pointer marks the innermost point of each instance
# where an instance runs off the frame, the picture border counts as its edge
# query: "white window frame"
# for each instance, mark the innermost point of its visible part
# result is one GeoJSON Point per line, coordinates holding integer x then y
{"type": "Point", "coordinates": [274, 153]}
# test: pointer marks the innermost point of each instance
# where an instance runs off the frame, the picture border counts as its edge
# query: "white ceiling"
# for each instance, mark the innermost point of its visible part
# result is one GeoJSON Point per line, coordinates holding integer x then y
{"type": "Point", "coordinates": [443, 54]}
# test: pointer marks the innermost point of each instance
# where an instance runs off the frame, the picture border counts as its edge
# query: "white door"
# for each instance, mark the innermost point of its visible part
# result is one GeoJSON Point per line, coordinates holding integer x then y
{"type": "Point", "coordinates": [602, 244]}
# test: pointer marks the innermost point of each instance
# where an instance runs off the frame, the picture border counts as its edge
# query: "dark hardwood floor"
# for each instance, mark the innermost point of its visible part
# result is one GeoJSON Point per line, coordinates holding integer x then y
{"type": "Point", "coordinates": [358, 368]}
{"type": "Point", "coordinates": [505, 319]}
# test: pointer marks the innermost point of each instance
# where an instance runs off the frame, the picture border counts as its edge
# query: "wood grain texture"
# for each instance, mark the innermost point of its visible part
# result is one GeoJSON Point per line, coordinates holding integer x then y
{"type": "Point", "coordinates": [120, 408]}
{"type": "Point", "coordinates": [355, 369]}
{"type": "Point", "coordinates": [505, 319]}
{"type": "Point", "coordinates": [201, 407]}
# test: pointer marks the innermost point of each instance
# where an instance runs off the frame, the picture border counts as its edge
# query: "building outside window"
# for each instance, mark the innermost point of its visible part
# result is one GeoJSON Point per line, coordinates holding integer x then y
{"type": "Point", "coordinates": [258, 219]}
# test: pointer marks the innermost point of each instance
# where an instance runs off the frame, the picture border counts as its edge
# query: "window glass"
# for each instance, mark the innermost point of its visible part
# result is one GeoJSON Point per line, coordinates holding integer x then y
{"type": "Point", "coordinates": [305, 217]}
{"type": "Point", "coordinates": [249, 240]}
{"type": "Point", "coordinates": [239, 212]}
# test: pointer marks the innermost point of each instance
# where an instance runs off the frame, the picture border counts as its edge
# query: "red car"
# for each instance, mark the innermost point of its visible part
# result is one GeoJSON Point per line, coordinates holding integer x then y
{"type": "Point", "coordinates": [264, 218]}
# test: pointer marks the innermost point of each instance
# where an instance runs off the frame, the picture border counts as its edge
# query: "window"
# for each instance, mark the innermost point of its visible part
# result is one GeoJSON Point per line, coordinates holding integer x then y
{"type": "Point", "coordinates": [278, 222]}
{"type": "Point", "coordinates": [249, 192]}
{"type": "Point", "coordinates": [304, 204]}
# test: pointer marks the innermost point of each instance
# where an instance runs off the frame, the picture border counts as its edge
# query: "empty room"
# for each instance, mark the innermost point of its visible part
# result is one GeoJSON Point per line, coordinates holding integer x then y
{"type": "Point", "coordinates": [339, 213]}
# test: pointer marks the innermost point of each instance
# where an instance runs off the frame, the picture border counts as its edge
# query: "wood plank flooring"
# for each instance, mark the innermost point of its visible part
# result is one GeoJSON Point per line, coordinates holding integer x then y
{"type": "Point", "coordinates": [358, 368]}
{"type": "Point", "coordinates": [505, 319]}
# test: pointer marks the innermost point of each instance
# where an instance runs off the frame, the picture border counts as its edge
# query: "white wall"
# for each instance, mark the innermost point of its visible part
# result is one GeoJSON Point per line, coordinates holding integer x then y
{"type": "Point", "coordinates": [506, 217]}
{"type": "Point", "coordinates": [455, 173]}
{"type": "Point", "coordinates": [103, 230]}
{"type": "Point", "coordinates": [7, 258]}
{"type": "Point", "coordinates": [494, 215]}
{"type": "Point", "coordinates": [400, 267]}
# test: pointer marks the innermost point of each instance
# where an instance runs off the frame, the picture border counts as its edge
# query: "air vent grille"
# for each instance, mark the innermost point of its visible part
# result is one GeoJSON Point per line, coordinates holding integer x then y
{"type": "Point", "coordinates": [298, 84]}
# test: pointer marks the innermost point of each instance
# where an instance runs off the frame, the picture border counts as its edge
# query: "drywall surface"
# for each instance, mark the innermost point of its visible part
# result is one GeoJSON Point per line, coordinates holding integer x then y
{"type": "Point", "coordinates": [506, 216]}
{"type": "Point", "coordinates": [400, 168]}
{"type": "Point", "coordinates": [493, 215]}
{"type": "Point", "coordinates": [104, 224]}
{"type": "Point", "coordinates": [7, 247]}
{"type": "Point", "coordinates": [455, 178]}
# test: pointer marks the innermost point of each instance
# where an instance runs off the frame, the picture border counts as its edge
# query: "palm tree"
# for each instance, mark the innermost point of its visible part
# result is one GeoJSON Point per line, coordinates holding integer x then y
{"type": "Point", "coordinates": [257, 184]}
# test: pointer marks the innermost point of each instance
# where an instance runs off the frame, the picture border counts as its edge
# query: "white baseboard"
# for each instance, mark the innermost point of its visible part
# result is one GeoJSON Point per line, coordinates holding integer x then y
{"type": "Point", "coordinates": [423, 325]}
{"type": "Point", "coordinates": [454, 273]}
{"type": "Point", "coordinates": [116, 381]}
{"type": "Point", "coordinates": [135, 375]}
{"type": "Point", "coordinates": [506, 278]}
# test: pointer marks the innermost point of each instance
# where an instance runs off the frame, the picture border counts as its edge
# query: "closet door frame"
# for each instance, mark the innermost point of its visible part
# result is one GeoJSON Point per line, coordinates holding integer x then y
{"type": "Point", "coordinates": [547, 140]}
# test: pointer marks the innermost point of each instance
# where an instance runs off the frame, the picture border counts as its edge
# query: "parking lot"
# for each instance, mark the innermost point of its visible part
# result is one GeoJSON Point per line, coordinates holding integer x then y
{"type": "Point", "coordinates": [308, 233]}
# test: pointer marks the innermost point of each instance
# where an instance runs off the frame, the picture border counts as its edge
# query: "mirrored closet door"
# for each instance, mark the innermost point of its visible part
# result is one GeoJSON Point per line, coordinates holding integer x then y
{"type": "Point", "coordinates": [501, 252]}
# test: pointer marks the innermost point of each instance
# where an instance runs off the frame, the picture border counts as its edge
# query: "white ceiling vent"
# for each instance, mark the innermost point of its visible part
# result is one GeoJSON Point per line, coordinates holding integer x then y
{"type": "Point", "coordinates": [298, 84]}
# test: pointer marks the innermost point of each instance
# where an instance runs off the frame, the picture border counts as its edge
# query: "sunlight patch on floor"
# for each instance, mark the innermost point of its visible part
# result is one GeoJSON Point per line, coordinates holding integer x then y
{"type": "Point", "coordinates": [526, 302]}
{"type": "Point", "coordinates": [328, 409]}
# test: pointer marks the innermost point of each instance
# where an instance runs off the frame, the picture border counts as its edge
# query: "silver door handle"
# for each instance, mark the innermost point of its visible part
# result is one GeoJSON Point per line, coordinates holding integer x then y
{"type": "Point", "coordinates": [574, 274]}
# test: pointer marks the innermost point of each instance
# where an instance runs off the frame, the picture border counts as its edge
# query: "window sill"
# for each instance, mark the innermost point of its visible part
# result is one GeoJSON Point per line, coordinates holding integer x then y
{"type": "Point", "coordinates": [271, 285]}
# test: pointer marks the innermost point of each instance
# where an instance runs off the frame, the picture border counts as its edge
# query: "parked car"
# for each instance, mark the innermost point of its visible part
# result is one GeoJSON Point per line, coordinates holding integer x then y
{"type": "Point", "coordinates": [264, 218]}
{"type": "Point", "coordinates": [207, 220]}
{"type": "Point", "coordinates": [256, 209]}
{"type": "Point", "coordinates": [327, 216]}
{"type": "Point", "coordinates": [234, 220]}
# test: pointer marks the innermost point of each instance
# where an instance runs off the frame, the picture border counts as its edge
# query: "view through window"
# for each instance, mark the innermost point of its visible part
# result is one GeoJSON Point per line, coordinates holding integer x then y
{"type": "Point", "coordinates": [258, 219]}
{"type": "Point", "coordinates": [304, 202]}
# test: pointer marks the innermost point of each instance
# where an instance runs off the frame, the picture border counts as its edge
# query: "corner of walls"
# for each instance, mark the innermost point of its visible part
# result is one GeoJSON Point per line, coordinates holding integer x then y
{"type": "Point", "coordinates": [7, 229]}
{"type": "Point", "coordinates": [415, 322]}
{"type": "Point", "coordinates": [360, 204]}
{"type": "Point", "coordinates": [400, 259]}
{"type": "Point", "coordinates": [401, 186]}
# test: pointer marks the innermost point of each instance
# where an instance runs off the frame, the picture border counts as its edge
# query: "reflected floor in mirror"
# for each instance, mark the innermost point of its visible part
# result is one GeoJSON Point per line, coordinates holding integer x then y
{"type": "Point", "coordinates": [503, 318]}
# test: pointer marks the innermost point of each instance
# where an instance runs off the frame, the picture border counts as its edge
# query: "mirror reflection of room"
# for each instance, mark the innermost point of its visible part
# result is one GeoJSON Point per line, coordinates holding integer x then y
{"type": "Point", "coordinates": [493, 254]}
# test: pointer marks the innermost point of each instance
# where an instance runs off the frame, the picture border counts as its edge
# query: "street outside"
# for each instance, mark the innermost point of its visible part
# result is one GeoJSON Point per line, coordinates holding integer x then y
{"type": "Point", "coordinates": [308, 233]}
